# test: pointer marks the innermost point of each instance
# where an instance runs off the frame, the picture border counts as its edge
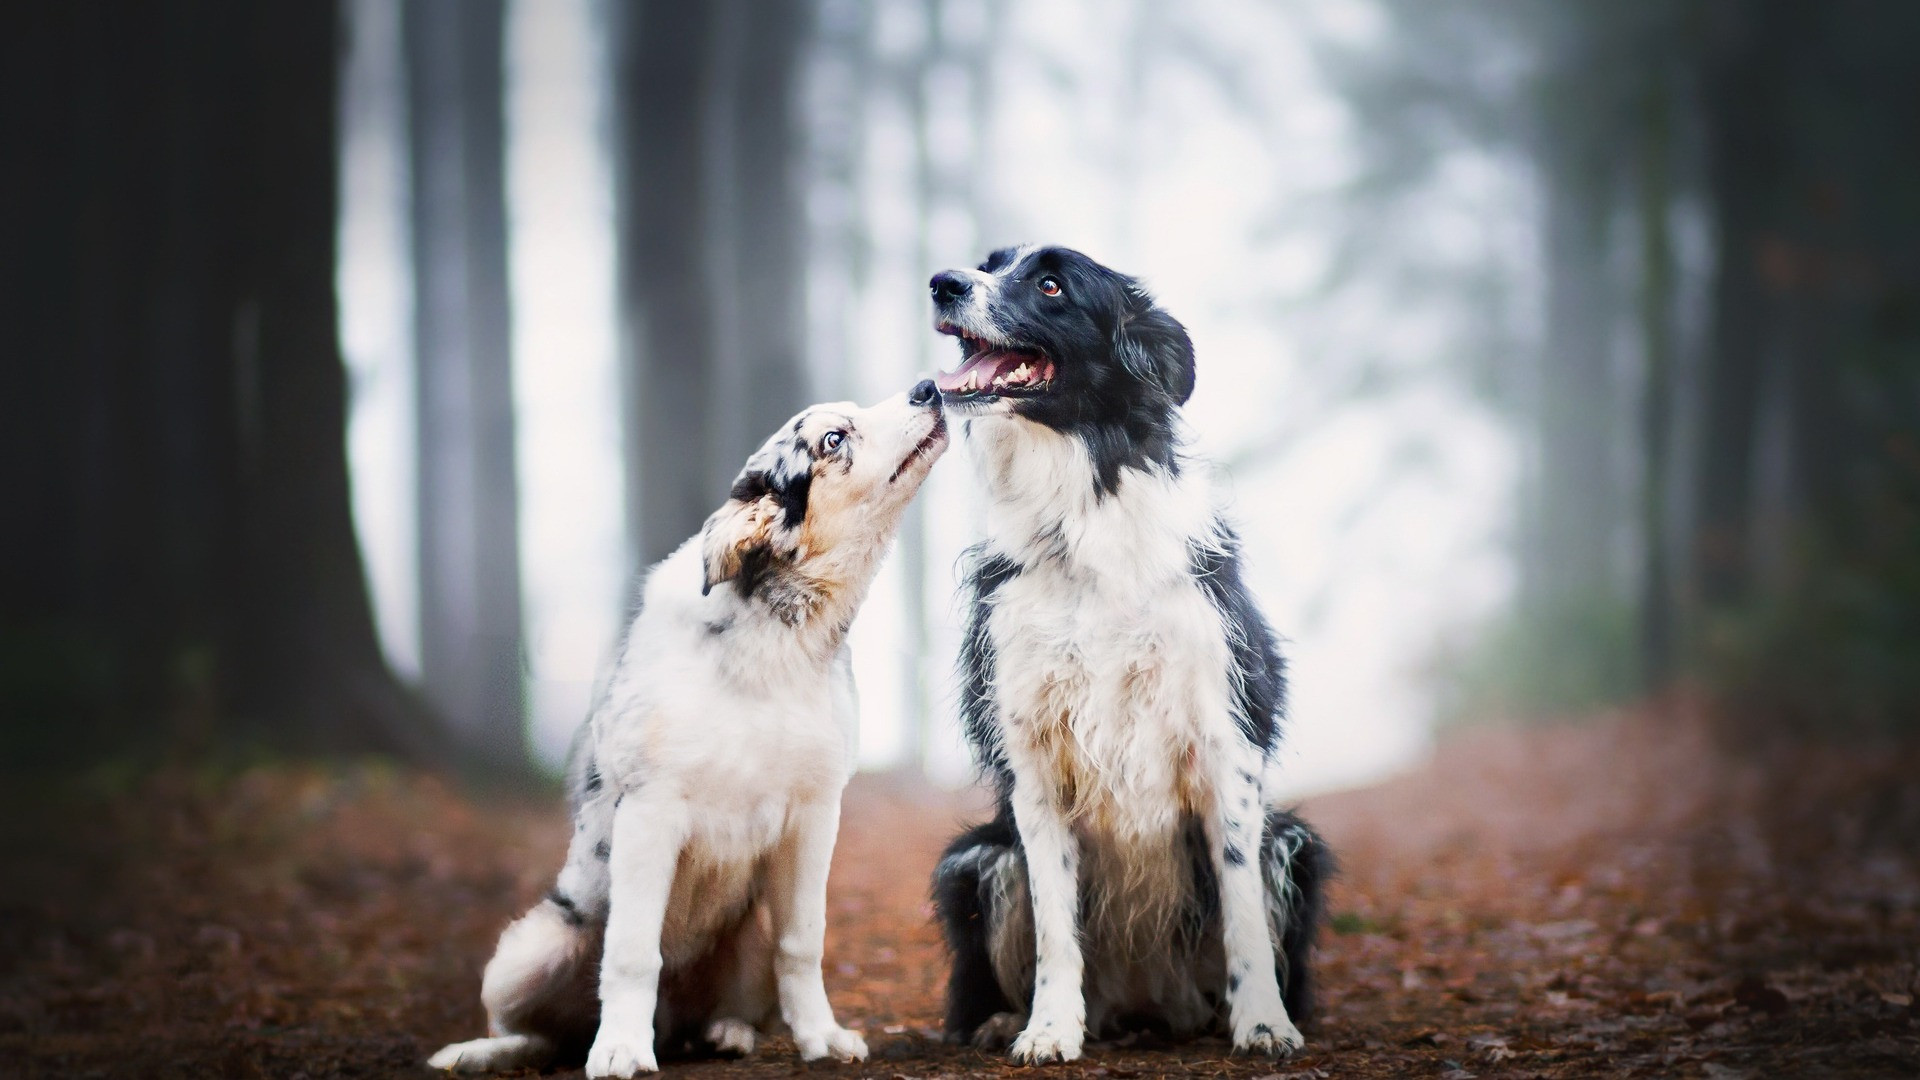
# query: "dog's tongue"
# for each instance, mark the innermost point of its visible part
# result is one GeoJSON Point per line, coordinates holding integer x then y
{"type": "Point", "coordinates": [976, 374]}
{"type": "Point", "coordinates": [1022, 367]}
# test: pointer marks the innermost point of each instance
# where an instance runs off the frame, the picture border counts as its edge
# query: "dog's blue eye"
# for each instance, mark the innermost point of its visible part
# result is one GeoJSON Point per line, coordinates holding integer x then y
{"type": "Point", "coordinates": [1050, 286]}
{"type": "Point", "coordinates": [831, 441]}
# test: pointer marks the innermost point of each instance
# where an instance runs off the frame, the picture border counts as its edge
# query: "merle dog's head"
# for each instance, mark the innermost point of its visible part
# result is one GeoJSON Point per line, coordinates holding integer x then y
{"type": "Point", "coordinates": [1050, 336]}
{"type": "Point", "coordinates": [823, 496]}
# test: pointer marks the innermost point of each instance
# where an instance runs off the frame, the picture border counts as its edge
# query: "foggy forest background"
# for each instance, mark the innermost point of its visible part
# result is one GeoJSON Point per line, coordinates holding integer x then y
{"type": "Point", "coordinates": [1557, 357]}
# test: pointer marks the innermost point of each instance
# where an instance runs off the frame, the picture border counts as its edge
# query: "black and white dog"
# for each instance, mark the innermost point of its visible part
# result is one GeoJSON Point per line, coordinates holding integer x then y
{"type": "Point", "coordinates": [706, 783]}
{"type": "Point", "coordinates": [1120, 687]}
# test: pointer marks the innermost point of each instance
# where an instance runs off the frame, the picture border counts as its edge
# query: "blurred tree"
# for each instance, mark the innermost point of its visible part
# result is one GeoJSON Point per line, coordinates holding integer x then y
{"type": "Point", "coordinates": [1807, 557]}
{"type": "Point", "coordinates": [710, 228]}
{"type": "Point", "coordinates": [469, 563]}
{"type": "Point", "coordinates": [1779, 547]}
{"type": "Point", "coordinates": [1658, 625]}
{"type": "Point", "coordinates": [180, 567]}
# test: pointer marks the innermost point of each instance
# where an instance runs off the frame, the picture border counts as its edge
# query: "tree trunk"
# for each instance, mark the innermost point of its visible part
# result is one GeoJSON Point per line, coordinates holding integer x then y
{"type": "Point", "coordinates": [469, 565]}
{"type": "Point", "coordinates": [1657, 281]}
{"type": "Point", "coordinates": [663, 56]}
{"type": "Point", "coordinates": [712, 278]}
{"type": "Point", "coordinates": [758, 227]}
{"type": "Point", "coordinates": [1741, 102]}
{"type": "Point", "coordinates": [1576, 503]}
{"type": "Point", "coordinates": [916, 705]}
{"type": "Point", "coordinates": [191, 571]}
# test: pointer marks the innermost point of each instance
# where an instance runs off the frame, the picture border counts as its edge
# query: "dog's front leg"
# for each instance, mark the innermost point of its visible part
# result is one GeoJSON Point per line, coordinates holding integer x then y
{"type": "Point", "coordinates": [647, 838]}
{"type": "Point", "coordinates": [798, 884]}
{"type": "Point", "coordinates": [1059, 1022]}
{"type": "Point", "coordinates": [1259, 1017]}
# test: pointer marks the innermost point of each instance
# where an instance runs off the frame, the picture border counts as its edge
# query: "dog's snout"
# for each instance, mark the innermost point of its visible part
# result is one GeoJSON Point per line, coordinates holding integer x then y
{"type": "Point", "coordinates": [949, 285]}
{"type": "Point", "coordinates": [924, 393]}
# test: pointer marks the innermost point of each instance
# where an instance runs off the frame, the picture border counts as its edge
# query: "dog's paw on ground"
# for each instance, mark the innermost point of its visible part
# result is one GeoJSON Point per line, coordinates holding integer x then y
{"type": "Point", "coordinates": [731, 1036]}
{"type": "Point", "coordinates": [1045, 1043]}
{"type": "Point", "coordinates": [613, 1056]}
{"type": "Point", "coordinates": [837, 1043]}
{"type": "Point", "coordinates": [1271, 1038]}
{"type": "Point", "coordinates": [999, 1030]}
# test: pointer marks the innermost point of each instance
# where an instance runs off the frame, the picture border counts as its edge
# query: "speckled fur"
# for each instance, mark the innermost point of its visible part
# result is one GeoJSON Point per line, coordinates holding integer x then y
{"type": "Point", "coordinates": [706, 782]}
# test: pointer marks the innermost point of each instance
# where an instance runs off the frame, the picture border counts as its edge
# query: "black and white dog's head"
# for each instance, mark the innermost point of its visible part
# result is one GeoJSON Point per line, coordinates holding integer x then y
{"type": "Point", "coordinates": [1050, 336]}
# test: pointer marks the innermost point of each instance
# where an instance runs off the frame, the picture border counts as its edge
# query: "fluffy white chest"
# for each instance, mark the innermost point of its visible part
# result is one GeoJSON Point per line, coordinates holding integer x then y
{"type": "Point", "coordinates": [730, 753]}
{"type": "Point", "coordinates": [1114, 693]}
{"type": "Point", "coordinates": [730, 715]}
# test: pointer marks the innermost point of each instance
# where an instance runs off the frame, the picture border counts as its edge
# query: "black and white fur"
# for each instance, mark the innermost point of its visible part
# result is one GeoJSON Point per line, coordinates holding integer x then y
{"type": "Point", "coordinates": [1120, 688]}
{"type": "Point", "coordinates": [706, 782]}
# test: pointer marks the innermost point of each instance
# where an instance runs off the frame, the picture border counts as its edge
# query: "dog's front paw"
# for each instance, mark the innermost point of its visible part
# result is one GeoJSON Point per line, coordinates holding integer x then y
{"type": "Point", "coordinates": [835, 1042]}
{"type": "Point", "coordinates": [613, 1055]}
{"type": "Point", "coordinates": [731, 1036]}
{"type": "Point", "coordinates": [1273, 1038]}
{"type": "Point", "coordinates": [1045, 1042]}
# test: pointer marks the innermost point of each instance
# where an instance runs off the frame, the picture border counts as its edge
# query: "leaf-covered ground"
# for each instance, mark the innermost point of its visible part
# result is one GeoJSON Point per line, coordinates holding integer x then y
{"type": "Point", "coordinates": [1614, 899]}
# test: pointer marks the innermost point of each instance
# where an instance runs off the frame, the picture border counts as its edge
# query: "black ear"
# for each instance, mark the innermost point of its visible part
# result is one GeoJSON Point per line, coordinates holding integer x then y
{"type": "Point", "coordinates": [736, 535]}
{"type": "Point", "coordinates": [1153, 346]}
{"type": "Point", "coordinates": [759, 522]}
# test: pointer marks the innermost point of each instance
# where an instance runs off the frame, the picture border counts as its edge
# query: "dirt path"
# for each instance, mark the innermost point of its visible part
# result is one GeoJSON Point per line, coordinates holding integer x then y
{"type": "Point", "coordinates": [1608, 900]}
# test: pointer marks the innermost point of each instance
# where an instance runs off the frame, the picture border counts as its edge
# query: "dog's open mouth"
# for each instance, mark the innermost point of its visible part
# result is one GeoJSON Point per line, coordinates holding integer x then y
{"type": "Point", "coordinates": [992, 369]}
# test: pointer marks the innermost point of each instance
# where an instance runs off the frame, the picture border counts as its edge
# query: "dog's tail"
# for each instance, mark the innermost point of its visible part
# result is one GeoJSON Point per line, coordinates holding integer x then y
{"type": "Point", "coordinates": [1297, 866]}
{"type": "Point", "coordinates": [541, 989]}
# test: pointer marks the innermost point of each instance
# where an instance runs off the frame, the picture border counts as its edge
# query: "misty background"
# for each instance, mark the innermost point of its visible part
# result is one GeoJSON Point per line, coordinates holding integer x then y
{"type": "Point", "coordinates": [1554, 358]}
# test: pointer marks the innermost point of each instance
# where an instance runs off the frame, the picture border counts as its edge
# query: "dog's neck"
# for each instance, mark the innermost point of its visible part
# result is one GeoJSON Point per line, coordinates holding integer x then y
{"type": "Point", "coordinates": [813, 600]}
{"type": "Point", "coordinates": [1047, 504]}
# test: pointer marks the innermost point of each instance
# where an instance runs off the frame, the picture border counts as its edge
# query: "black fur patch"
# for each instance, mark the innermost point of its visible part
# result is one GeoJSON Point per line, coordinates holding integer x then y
{"type": "Point", "coordinates": [787, 475]}
{"type": "Point", "coordinates": [1308, 870]}
{"type": "Point", "coordinates": [1259, 672]}
{"type": "Point", "coordinates": [568, 909]}
{"type": "Point", "coordinates": [979, 711]}
{"type": "Point", "coordinates": [782, 469]}
{"type": "Point", "coordinates": [964, 905]}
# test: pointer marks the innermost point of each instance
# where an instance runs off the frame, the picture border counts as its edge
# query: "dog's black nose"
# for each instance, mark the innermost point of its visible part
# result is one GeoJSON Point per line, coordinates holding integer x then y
{"type": "Point", "coordinates": [924, 393]}
{"type": "Point", "coordinates": [950, 285]}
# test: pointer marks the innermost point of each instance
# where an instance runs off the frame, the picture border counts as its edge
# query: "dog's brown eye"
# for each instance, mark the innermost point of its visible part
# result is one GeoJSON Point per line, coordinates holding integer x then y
{"type": "Point", "coordinates": [1050, 286]}
{"type": "Point", "coordinates": [831, 441]}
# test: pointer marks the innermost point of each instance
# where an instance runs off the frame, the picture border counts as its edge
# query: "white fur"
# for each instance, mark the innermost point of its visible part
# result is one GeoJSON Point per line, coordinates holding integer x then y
{"type": "Point", "coordinates": [1112, 677]}
{"type": "Point", "coordinates": [718, 755]}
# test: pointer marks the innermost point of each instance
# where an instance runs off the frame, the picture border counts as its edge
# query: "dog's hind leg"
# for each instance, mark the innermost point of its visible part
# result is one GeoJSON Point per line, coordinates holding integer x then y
{"type": "Point", "coordinates": [980, 896]}
{"type": "Point", "coordinates": [1296, 865]}
{"type": "Point", "coordinates": [747, 997]}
